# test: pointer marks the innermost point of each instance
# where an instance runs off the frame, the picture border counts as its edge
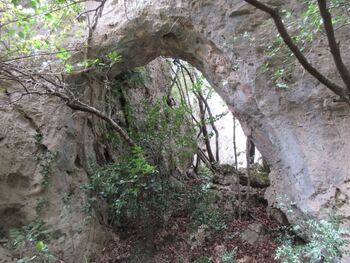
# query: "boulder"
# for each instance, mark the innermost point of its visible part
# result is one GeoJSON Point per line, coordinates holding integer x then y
{"type": "Point", "coordinates": [254, 233]}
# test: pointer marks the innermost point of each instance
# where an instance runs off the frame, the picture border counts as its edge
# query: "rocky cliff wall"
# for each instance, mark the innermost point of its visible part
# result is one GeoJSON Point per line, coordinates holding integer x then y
{"type": "Point", "coordinates": [46, 155]}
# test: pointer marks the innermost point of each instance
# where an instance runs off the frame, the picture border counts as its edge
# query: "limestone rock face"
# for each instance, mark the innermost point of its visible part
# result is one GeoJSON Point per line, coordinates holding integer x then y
{"type": "Point", "coordinates": [46, 154]}
{"type": "Point", "coordinates": [39, 133]}
{"type": "Point", "coordinates": [300, 131]}
{"type": "Point", "coordinates": [302, 134]}
{"type": "Point", "coordinates": [254, 233]}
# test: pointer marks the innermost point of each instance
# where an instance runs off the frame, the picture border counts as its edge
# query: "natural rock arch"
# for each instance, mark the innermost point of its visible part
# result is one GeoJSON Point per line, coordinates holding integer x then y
{"type": "Point", "coordinates": [302, 134]}
{"type": "Point", "coordinates": [296, 131]}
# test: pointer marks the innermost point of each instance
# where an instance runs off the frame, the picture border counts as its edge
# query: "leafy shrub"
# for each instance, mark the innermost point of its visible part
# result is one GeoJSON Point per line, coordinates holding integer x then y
{"type": "Point", "coordinates": [304, 28]}
{"type": "Point", "coordinates": [133, 190]}
{"type": "Point", "coordinates": [41, 255]}
{"type": "Point", "coordinates": [122, 185]}
{"type": "Point", "coordinates": [202, 212]}
{"type": "Point", "coordinates": [327, 242]}
{"type": "Point", "coordinates": [228, 256]}
{"type": "Point", "coordinates": [165, 133]}
{"type": "Point", "coordinates": [46, 160]}
{"type": "Point", "coordinates": [30, 234]}
{"type": "Point", "coordinates": [31, 239]}
{"type": "Point", "coordinates": [137, 188]}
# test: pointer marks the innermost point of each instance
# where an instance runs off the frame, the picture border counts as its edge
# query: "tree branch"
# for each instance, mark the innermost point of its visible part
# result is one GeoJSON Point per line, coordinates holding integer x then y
{"type": "Point", "coordinates": [333, 45]}
{"type": "Point", "coordinates": [78, 105]}
{"type": "Point", "coordinates": [296, 51]}
{"type": "Point", "coordinates": [201, 113]}
{"type": "Point", "coordinates": [200, 94]}
{"type": "Point", "coordinates": [238, 185]}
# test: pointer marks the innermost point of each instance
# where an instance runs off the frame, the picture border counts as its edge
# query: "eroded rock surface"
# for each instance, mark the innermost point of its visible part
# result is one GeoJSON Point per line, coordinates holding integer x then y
{"type": "Point", "coordinates": [302, 134]}
{"type": "Point", "coordinates": [300, 131]}
{"type": "Point", "coordinates": [39, 134]}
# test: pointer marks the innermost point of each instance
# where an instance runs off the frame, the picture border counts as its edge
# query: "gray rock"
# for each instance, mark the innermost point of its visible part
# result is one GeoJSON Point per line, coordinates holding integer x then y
{"type": "Point", "coordinates": [301, 133]}
{"type": "Point", "coordinates": [254, 233]}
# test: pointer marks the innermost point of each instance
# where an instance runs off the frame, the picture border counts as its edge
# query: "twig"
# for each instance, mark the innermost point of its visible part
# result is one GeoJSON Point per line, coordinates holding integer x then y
{"type": "Point", "coordinates": [236, 166]}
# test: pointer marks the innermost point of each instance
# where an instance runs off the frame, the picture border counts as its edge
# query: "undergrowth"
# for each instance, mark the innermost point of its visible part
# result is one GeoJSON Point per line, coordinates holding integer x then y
{"type": "Point", "coordinates": [31, 241]}
{"type": "Point", "coordinates": [326, 242]}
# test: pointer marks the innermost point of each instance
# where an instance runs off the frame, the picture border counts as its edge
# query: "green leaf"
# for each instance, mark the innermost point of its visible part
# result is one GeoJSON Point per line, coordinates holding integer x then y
{"type": "Point", "coordinates": [48, 17]}
{"type": "Point", "coordinates": [38, 44]}
{"type": "Point", "coordinates": [21, 35]}
{"type": "Point", "coordinates": [34, 3]}
{"type": "Point", "coordinates": [64, 54]}
{"type": "Point", "coordinates": [69, 68]}
{"type": "Point", "coordinates": [15, 2]}
{"type": "Point", "coordinates": [40, 246]}
{"type": "Point", "coordinates": [114, 56]}
{"type": "Point", "coordinates": [282, 85]}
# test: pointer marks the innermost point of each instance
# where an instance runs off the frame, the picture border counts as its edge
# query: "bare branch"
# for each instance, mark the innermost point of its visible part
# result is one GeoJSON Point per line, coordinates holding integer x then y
{"type": "Point", "coordinates": [78, 105]}
{"type": "Point", "coordinates": [38, 55]}
{"type": "Point", "coordinates": [238, 185]}
{"type": "Point", "coordinates": [212, 125]}
{"type": "Point", "coordinates": [81, 106]}
{"type": "Point", "coordinates": [202, 113]}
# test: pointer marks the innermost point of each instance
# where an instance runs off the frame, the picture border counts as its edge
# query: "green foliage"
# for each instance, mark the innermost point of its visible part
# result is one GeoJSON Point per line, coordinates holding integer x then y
{"type": "Point", "coordinates": [29, 27]}
{"type": "Point", "coordinates": [33, 29]}
{"type": "Point", "coordinates": [41, 254]}
{"type": "Point", "coordinates": [95, 63]}
{"type": "Point", "coordinates": [281, 60]}
{"type": "Point", "coordinates": [205, 174]}
{"type": "Point", "coordinates": [228, 256]}
{"type": "Point", "coordinates": [31, 240]}
{"type": "Point", "coordinates": [136, 76]}
{"type": "Point", "coordinates": [114, 57]}
{"type": "Point", "coordinates": [38, 138]}
{"type": "Point", "coordinates": [215, 118]}
{"type": "Point", "coordinates": [132, 188]}
{"type": "Point", "coordinates": [46, 160]}
{"type": "Point", "coordinates": [326, 243]}
{"type": "Point", "coordinates": [41, 202]}
{"type": "Point", "coordinates": [164, 132]}
{"type": "Point", "coordinates": [29, 235]}
{"type": "Point", "coordinates": [66, 199]}
{"type": "Point", "coordinates": [138, 188]}
{"type": "Point", "coordinates": [303, 28]}
{"type": "Point", "coordinates": [202, 212]}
